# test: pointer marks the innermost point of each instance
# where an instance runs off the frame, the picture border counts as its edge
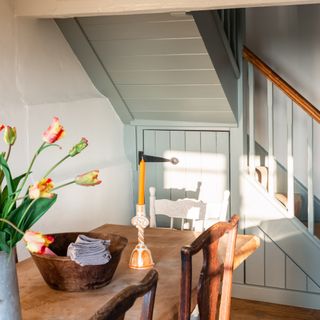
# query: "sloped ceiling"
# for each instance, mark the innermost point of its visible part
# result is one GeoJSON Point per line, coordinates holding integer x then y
{"type": "Point", "coordinates": [159, 67]}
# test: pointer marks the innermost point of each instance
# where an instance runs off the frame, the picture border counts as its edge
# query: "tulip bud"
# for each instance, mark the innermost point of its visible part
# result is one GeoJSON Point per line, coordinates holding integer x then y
{"type": "Point", "coordinates": [88, 179]}
{"type": "Point", "coordinates": [10, 135]}
{"type": "Point", "coordinates": [76, 149]}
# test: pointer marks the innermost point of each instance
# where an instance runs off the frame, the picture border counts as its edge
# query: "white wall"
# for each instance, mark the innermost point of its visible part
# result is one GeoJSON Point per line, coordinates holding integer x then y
{"type": "Point", "coordinates": [40, 78]}
{"type": "Point", "coordinates": [287, 38]}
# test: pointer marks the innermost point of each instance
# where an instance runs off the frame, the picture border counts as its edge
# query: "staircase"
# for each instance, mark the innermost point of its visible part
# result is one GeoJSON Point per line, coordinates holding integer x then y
{"type": "Point", "coordinates": [267, 175]}
{"type": "Point", "coordinates": [286, 268]}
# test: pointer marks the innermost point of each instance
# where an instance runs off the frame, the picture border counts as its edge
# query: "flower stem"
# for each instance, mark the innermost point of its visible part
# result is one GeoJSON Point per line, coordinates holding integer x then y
{"type": "Point", "coordinates": [63, 185]}
{"type": "Point", "coordinates": [55, 166]}
{"type": "Point", "coordinates": [12, 225]}
{"type": "Point", "coordinates": [22, 198]}
{"type": "Point", "coordinates": [26, 211]}
{"type": "Point", "coordinates": [8, 153]}
{"type": "Point", "coordinates": [26, 176]}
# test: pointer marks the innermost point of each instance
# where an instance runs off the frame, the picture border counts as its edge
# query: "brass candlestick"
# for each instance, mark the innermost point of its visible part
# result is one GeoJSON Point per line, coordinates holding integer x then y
{"type": "Point", "coordinates": [141, 257]}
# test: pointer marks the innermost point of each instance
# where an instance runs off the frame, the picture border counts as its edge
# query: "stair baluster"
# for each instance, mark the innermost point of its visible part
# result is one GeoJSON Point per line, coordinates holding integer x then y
{"type": "Point", "coordinates": [271, 159]}
{"type": "Point", "coordinates": [310, 177]}
{"type": "Point", "coordinates": [290, 166]}
{"type": "Point", "coordinates": [251, 121]}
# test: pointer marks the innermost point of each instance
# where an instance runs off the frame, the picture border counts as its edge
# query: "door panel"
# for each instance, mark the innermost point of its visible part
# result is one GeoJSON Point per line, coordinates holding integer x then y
{"type": "Point", "coordinates": [203, 169]}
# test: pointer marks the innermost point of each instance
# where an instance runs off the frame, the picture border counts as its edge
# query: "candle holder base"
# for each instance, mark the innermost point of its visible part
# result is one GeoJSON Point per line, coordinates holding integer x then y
{"type": "Point", "coordinates": [141, 257]}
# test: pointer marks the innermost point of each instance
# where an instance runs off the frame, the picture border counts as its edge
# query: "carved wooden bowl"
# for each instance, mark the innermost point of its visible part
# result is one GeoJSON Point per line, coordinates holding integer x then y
{"type": "Point", "coordinates": [61, 273]}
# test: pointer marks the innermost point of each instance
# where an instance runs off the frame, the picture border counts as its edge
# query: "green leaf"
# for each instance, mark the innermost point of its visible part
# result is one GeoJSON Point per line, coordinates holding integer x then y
{"type": "Point", "coordinates": [36, 211]}
{"type": "Point", "coordinates": [3, 242]}
{"type": "Point", "coordinates": [5, 168]}
{"type": "Point", "coordinates": [4, 194]}
{"type": "Point", "coordinates": [40, 207]}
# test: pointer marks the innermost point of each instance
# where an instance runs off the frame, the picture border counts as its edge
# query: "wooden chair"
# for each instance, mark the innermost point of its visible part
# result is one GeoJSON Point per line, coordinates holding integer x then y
{"type": "Point", "coordinates": [212, 273]}
{"type": "Point", "coordinates": [201, 214]}
{"type": "Point", "coordinates": [116, 308]}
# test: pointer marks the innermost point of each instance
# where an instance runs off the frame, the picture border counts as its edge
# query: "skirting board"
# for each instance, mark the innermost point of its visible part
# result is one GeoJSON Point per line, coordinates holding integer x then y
{"type": "Point", "coordinates": [278, 296]}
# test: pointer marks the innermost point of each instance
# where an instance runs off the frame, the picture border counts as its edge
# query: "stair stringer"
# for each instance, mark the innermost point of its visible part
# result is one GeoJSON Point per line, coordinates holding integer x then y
{"type": "Point", "coordinates": [260, 209]}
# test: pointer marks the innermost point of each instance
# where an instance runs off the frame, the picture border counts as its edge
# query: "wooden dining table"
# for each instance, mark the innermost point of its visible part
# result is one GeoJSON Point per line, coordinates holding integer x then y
{"type": "Point", "coordinates": [38, 301]}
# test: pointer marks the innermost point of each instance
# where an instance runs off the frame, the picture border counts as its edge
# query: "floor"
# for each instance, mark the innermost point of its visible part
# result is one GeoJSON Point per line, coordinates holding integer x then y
{"type": "Point", "coordinates": [253, 310]}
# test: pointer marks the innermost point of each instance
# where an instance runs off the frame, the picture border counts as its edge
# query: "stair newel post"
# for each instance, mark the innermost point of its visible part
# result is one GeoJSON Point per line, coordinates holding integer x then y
{"type": "Point", "coordinates": [251, 120]}
{"type": "Point", "coordinates": [290, 165]}
{"type": "Point", "coordinates": [310, 176]}
{"type": "Point", "coordinates": [271, 159]}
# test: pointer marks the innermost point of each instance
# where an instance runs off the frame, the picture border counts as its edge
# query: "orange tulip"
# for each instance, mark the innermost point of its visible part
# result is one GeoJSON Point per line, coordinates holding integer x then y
{"type": "Point", "coordinates": [54, 132]}
{"type": "Point", "coordinates": [38, 243]}
{"type": "Point", "coordinates": [41, 189]}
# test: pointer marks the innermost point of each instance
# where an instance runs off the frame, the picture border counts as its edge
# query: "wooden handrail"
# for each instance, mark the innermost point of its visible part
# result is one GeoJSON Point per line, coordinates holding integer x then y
{"type": "Point", "coordinates": [293, 94]}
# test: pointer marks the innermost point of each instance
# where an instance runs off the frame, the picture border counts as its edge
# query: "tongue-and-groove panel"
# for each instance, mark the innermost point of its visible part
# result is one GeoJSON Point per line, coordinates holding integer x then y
{"type": "Point", "coordinates": [160, 66]}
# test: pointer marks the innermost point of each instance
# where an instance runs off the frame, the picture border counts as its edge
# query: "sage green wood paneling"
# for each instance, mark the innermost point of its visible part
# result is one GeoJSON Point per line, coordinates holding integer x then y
{"type": "Point", "coordinates": [137, 30]}
{"type": "Point", "coordinates": [150, 47]}
{"type": "Point", "coordinates": [209, 177]}
{"type": "Point", "coordinates": [275, 265]}
{"type": "Point", "coordinates": [162, 146]}
{"type": "Point", "coordinates": [223, 160]}
{"type": "Point", "coordinates": [255, 264]}
{"type": "Point", "coordinates": [217, 46]}
{"type": "Point", "coordinates": [296, 279]}
{"type": "Point", "coordinates": [165, 77]}
{"type": "Point", "coordinates": [157, 58]}
{"type": "Point", "coordinates": [193, 161]}
{"type": "Point", "coordinates": [196, 175]}
{"type": "Point", "coordinates": [178, 145]}
{"type": "Point", "coordinates": [311, 286]}
{"type": "Point", "coordinates": [132, 62]}
{"type": "Point", "coordinates": [138, 105]}
{"type": "Point", "coordinates": [181, 91]}
{"type": "Point", "coordinates": [133, 18]}
{"type": "Point", "coordinates": [191, 116]}
{"type": "Point", "coordinates": [149, 147]}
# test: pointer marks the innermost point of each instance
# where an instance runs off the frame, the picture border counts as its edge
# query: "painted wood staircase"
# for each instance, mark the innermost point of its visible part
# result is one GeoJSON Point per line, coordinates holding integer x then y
{"type": "Point", "coordinates": [279, 217]}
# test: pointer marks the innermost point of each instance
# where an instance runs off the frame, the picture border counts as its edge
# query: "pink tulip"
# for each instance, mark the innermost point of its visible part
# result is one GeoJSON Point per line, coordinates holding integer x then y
{"type": "Point", "coordinates": [88, 179]}
{"type": "Point", "coordinates": [54, 132]}
{"type": "Point", "coordinates": [41, 189]}
{"type": "Point", "coordinates": [38, 243]}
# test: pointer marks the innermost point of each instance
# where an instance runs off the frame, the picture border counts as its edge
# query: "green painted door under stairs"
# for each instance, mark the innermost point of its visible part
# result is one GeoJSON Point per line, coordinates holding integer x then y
{"type": "Point", "coordinates": [203, 169]}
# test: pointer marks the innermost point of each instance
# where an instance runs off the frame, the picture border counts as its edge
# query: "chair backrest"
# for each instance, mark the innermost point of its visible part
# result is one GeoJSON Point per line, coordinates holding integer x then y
{"type": "Point", "coordinates": [202, 214]}
{"type": "Point", "coordinates": [213, 272]}
{"type": "Point", "coordinates": [116, 308]}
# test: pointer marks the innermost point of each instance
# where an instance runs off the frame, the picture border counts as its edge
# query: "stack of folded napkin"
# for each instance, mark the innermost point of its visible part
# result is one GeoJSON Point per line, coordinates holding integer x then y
{"type": "Point", "coordinates": [89, 251]}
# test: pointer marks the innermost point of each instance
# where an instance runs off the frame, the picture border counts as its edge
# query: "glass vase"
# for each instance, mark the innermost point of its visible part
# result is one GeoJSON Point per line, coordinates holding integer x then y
{"type": "Point", "coordinates": [9, 290]}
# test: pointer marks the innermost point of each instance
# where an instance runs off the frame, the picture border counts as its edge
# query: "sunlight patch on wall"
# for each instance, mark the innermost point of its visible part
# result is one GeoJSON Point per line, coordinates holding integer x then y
{"type": "Point", "coordinates": [203, 173]}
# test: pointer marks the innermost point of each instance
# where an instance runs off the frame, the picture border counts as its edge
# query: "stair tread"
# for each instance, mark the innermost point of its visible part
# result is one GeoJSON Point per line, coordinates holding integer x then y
{"type": "Point", "coordinates": [261, 174]}
{"type": "Point", "coordinates": [283, 198]}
